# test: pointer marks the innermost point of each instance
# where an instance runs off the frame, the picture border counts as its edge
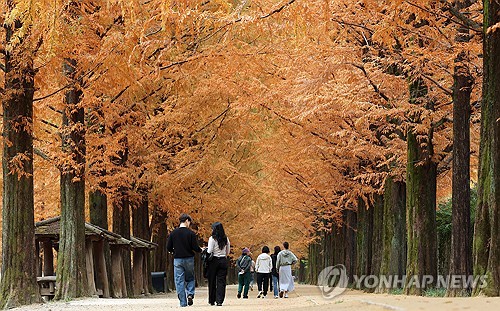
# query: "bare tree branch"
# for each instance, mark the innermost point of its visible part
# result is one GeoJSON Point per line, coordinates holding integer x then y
{"type": "Point", "coordinates": [447, 91]}
{"type": "Point", "coordinates": [374, 86]}
{"type": "Point", "coordinates": [41, 154]}
{"type": "Point", "coordinates": [50, 123]}
{"type": "Point", "coordinates": [471, 27]}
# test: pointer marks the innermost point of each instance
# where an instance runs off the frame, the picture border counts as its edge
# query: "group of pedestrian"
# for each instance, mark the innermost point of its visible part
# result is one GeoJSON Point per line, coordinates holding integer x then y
{"type": "Point", "coordinates": [274, 272]}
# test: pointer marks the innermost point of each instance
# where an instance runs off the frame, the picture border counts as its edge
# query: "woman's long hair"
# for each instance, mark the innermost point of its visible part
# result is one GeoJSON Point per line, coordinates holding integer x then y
{"type": "Point", "coordinates": [277, 249]}
{"type": "Point", "coordinates": [219, 235]}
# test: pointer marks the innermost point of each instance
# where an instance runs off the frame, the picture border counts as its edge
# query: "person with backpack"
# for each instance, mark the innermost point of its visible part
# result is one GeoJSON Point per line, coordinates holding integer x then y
{"type": "Point", "coordinates": [284, 263]}
{"type": "Point", "coordinates": [274, 271]}
{"type": "Point", "coordinates": [243, 264]}
{"type": "Point", "coordinates": [263, 267]}
{"type": "Point", "coordinates": [218, 249]}
{"type": "Point", "coordinates": [183, 243]}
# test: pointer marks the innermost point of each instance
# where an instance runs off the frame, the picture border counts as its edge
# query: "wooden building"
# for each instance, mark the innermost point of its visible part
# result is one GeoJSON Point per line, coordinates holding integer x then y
{"type": "Point", "coordinates": [47, 240]}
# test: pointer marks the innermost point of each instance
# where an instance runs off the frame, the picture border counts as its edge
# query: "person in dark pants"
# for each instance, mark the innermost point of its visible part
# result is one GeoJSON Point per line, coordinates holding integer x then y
{"type": "Point", "coordinates": [263, 267]}
{"type": "Point", "coordinates": [183, 243]}
{"type": "Point", "coordinates": [274, 272]}
{"type": "Point", "coordinates": [219, 247]}
{"type": "Point", "coordinates": [243, 263]}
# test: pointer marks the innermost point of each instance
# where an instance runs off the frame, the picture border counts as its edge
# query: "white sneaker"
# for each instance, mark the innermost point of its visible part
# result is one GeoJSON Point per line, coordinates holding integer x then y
{"type": "Point", "coordinates": [264, 297]}
{"type": "Point", "coordinates": [276, 297]}
{"type": "Point", "coordinates": [259, 295]}
{"type": "Point", "coordinates": [286, 294]}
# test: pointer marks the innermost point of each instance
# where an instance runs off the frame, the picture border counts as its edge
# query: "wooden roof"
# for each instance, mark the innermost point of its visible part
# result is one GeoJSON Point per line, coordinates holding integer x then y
{"type": "Point", "coordinates": [50, 228]}
{"type": "Point", "coordinates": [141, 243]}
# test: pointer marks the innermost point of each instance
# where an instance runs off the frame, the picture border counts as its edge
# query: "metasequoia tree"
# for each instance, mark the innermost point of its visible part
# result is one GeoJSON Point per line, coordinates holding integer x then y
{"type": "Point", "coordinates": [424, 121]}
{"type": "Point", "coordinates": [410, 54]}
{"type": "Point", "coordinates": [305, 119]}
{"type": "Point", "coordinates": [72, 279]}
{"type": "Point", "coordinates": [326, 109]}
{"type": "Point", "coordinates": [199, 160]}
{"type": "Point", "coordinates": [487, 229]}
{"type": "Point", "coordinates": [78, 49]}
{"type": "Point", "coordinates": [71, 275]}
{"type": "Point", "coordinates": [19, 259]}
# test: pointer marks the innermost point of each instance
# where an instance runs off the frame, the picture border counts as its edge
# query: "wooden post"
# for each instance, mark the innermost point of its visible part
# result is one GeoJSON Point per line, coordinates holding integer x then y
{"type": "Point", "coordinates": [90, 265]}
{"type": "Point", "coordinates": [145, 271]}
{"type": "Point", "coordinates": [48, 258]}
{"type": "Point", "coordinates": [38, 260]}
{"type": "Point", "coordinates": [116, 271]}
{"type": "Point", "coordinates": [122, 265]}
{"type": "Point", "coordinates": [101, 269]}
{"type": "Point", "coordinates": [138, 271]}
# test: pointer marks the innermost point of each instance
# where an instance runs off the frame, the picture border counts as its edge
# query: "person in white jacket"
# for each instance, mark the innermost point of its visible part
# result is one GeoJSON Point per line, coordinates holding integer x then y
{"type": "Point", "coordinates": [263, 267]}
{"type": "Point", "coordinates": [284, 264]}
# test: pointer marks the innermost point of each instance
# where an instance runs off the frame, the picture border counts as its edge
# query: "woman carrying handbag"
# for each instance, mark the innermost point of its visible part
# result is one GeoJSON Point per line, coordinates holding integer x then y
{"type": "Point", "coordinates": [218, 248]}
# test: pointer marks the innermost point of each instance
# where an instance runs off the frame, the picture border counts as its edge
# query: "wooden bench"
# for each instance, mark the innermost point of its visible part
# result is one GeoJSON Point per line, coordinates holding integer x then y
{"type": "Point", "coordinates": [47, 285]}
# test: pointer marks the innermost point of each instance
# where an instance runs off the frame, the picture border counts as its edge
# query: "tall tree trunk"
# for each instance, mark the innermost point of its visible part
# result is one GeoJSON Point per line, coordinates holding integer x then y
{"type": "Point", "coordinates": [350, 227]}
{"type": "Point", "coordinates": [121, 225]}
{"type": "Point", "coordinates": [394, 230]}
{"type": "Point", "coordinates": [140, 229]}
{"type": "Point", "coordinates": [98, 199]}
{"type": "Point", "coordinates": [313, 265]}
{"type": "Point", "coordinates": [159, 236]}
{"type": "Point", "coordinates": [364, 238]}
{"type": "Point", "coordinates": [420, 218]}
{"type": "Point", "coordinates": [338, 244]}
{"type": "Point", "coordinates": [328, 249]}
{"type": "Point", "coordinates": [98, 206]}
{"type": "Point", "coordinates": [160, 259]}
{"type": "Point", "coordinates": [378, 227]}
{"type": "Point", "coordinates": [71, 265]}
{"type": "Point", "coordinates": [486, 245]}
{"type": "Point", "coordinates": [461, 242]}
{"type": "Point", "coordinates": [140, 220]}
{"type": "Point", "coordinates": [19, 256]}
{"type": "Point", "coordinates": [421, 175]}
{"type": "Point", "coordinates": [121, 208]}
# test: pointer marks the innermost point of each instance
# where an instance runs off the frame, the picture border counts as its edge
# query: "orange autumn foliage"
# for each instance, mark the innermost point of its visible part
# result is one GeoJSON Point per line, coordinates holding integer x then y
{"type": "Point", "coordinates": [271, 116]}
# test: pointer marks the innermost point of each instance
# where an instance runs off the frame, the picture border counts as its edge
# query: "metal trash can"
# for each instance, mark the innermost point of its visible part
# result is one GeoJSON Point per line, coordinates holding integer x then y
{"type": "Point", "coordinates": [159, 281]}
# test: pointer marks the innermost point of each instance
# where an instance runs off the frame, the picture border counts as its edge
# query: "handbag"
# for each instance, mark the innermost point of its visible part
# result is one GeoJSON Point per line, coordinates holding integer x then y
{"type": "Point", "coordinates": [206, 257]}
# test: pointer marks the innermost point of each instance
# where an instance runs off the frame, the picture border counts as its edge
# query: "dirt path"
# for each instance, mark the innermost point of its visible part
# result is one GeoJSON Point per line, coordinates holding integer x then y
{"type": "Point", "coordinates": [304, 298]}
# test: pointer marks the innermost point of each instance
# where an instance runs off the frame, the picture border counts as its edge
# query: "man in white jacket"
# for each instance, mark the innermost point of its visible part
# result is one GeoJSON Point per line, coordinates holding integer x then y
{"type": "Point", "coordinates": [263, 267]}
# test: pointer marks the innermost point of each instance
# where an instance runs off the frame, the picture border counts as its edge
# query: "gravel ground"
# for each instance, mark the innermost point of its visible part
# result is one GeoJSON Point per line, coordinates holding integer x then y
{"type": "Point", "coordinates": [304, 298]}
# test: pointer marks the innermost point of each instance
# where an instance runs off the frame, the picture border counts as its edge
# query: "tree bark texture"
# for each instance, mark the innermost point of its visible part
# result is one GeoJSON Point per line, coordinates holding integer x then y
{"type": "Point", "coordinates": [72, 281]}
{"type": "Point", "coordinates": [121, 225]}
{"type": "Point", "coordinates": [140, 229]}
{"type": "Point", "coordinates": [461, 237]}
{"type": "Point", "coordinates": [393, 258]}
{"type": "Point", "coordinates": [420, 215]}
{"type": "Point", "coordinates": [486, 246]}
{"type": "Point", "coordinates": [19, 256]}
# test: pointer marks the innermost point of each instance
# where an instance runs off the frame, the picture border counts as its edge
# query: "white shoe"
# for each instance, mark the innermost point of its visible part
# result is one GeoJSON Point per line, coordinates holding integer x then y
{"type": "Point", "coordinates": [276, 297]}
{"type": "Point", "coordinates": [259, 295]}
{"type": "Point", "coordinates": [264, 297]}
{"type": "Point", "coordinates": [286, 294]}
